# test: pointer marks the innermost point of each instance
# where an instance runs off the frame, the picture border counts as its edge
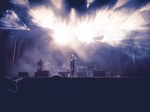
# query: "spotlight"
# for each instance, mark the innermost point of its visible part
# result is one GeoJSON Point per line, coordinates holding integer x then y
{"type": "Point", "coordinates": [28, 28]}
{"type": "Point", "coordinates": [88, 5]}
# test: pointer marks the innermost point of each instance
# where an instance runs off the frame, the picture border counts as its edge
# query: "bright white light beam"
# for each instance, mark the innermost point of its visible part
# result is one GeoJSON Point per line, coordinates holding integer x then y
{"type": "Point", "coordinates": [12, 21]}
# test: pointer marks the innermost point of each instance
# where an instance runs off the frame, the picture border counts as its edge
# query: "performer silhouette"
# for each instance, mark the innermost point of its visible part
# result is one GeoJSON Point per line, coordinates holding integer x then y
{"type": "Point", "coordinates": [39, 65]}
{"type": "Point", "coordinates": [72, 63]}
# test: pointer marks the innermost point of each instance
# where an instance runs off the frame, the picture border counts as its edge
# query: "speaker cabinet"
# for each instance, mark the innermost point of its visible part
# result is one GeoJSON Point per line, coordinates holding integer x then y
{"type": "Point", "coordinates": [99, 73]}
{"type": "Point", "coordinates": [41, 74]}
{"type": "Point", "coordinates": [23, 74]}
{"type": "Point", "coordinates": [82, 71]}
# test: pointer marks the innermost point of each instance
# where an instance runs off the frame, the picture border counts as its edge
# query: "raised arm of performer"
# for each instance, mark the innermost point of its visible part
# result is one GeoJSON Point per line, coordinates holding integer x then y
{"type": "Point", "coordinates": [72, 57]}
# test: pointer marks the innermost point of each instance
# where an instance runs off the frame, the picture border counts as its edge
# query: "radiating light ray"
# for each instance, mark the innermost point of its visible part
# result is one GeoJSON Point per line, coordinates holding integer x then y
{"type": "Point", "coordinates": [112, 25]}
{"type": "Point", "coordinates": [42, 16]}
{"type": "Point", "coordinates": [101, 19]}
{"type": "Point", "coordinates": [85, 30]}
{"type": "Point", "coordinates": [89, 2]}
{"type": "Point", "coordinates": [145, 8]}
{"type": "Point", "coordinates": [23, 3]}
{"type": "Point", "coordinates": [72, 16]}
{"type": "Point", "coordinates": [61, 27]}
{"type": "Point", "coordinates": [62, 31]}
{"type": "Point", "coordinates": [130, 44]}
{"type": "Point", "coordinates": [133, 20]}
{"type": "Point", "coordinates": [121, 2]}
{"type": "Point", "coordinates": [89, 28]}
{"type": "Point", "coordinates": [131, 23]}
{"type": "Point", "coordinates": [57, 3]}
{"type": "Point", "coordinates": [12, 21]}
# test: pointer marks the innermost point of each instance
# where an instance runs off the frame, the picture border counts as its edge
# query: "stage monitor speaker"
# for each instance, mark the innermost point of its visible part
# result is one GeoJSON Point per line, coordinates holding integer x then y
{"type": "Point", "coordinates": [64, 74]}
{"type": "Point", "coordinates": [82, 71]}
{"type": "Point", "coordinates": [23, 74]}
{"type": "Point", "coordinates": [41, 74]}
{"type": "Point", "coordinates": [99, 73]}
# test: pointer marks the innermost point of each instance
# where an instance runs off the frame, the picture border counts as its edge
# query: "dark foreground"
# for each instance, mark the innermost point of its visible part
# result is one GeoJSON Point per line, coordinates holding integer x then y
{"type": "Point", "coordinates": [114, 94]}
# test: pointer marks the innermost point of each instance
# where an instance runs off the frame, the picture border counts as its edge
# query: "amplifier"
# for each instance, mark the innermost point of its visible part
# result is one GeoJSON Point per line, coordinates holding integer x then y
{"type": "Point", "coordinates": [82, 71]}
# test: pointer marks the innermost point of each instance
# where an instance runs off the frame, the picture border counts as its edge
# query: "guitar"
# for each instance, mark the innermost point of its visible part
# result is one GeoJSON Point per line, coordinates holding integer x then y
{"type": "Point", "coordinates": [40, 68]}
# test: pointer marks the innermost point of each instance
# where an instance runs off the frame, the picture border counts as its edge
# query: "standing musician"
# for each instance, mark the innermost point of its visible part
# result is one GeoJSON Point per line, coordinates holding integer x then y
{"type": "Point", "coordinates": [39, 65]}
{"type": "Point", "coordinates": [72, 63]}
